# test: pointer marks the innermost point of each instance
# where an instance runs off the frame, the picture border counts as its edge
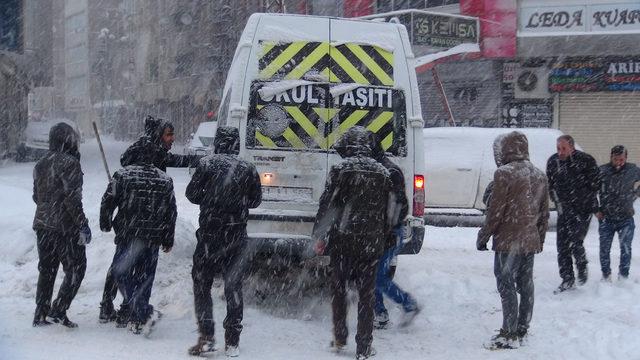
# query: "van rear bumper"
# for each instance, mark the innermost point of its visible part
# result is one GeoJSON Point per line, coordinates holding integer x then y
{"type": "Point", "coordinates": [301, 247]}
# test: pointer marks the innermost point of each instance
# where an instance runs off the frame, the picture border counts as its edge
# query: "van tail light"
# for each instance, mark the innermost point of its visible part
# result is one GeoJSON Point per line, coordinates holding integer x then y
{"type": "Point", "coordinates": [418, 195]}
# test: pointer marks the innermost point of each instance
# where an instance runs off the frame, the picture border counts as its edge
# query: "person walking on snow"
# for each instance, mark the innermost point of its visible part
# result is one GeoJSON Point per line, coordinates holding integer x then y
{"type": "Point", "coordinates": [225, 187]}
{"type": "Point", "coordinates": [61, 226]}
{"type": "Point", "coordinates": [398, 210]}
{"type": "Point", "coordinates": [619, 189]}
{"type": "Point", "coordinates": [517, 219]}
{"type": "Point", "coordinates": [156, 143]}
{"type": "Point", "coordinates": [352, 226]}
{"type": "Point", "coordinates": [573, 185]}
{"type": "Point", "coordinates": [144, 223]}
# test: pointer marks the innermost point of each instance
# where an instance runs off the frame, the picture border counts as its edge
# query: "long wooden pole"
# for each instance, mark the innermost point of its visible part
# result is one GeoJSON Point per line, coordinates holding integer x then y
{"type": "Point", "coordinates": [104, 158]}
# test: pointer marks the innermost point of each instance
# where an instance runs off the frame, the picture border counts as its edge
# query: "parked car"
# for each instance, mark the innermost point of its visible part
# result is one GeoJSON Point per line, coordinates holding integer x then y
{"type": "Point", "coordinates": [460, 164]}
{"type": "Point", "coordinates": [201, 142]}
{"type": "Point", "coordinates": [35, 139]}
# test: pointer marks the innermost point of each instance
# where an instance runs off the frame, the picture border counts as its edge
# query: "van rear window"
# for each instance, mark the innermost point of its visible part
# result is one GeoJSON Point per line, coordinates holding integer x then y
{"type": "Point", "coordinates": [306, 116]}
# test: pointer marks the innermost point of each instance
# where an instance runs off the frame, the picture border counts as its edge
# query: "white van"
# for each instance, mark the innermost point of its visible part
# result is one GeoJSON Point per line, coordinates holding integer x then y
{"type": "Point", "coordinates": [295, 85]}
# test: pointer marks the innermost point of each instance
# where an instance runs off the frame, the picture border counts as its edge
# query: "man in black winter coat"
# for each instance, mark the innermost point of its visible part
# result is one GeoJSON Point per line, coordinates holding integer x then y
{"type": "Point", "coordinates": [155, 144]}
{"type": "Point", "coordinates": [620, 188]}
{"type": "Point", "coordinates": [145, 221]}
{"type": "Point", "coordinates": [159, 137]}
{"type": "Point", "coordinates": [60, 224]}
{"type": "Point", "coordinates": [573, 185]}
{"type": "Point", "coordinates": [225, 187]}
{"type": "Point", "coordinates": [352, 224]}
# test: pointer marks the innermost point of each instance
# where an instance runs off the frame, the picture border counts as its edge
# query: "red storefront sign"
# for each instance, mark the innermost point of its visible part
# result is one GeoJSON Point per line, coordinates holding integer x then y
{"type": "Point", "coordinates": [498, 25]}
{"type": "Point", "coordinates": [355, 8]}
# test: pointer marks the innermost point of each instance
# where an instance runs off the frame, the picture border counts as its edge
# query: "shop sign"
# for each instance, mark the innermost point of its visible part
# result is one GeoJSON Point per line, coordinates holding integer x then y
{"type": "Point", "coordinates": [533, 113]}
{"type": "Point", "coordinates": [580, 19]}
{"type": "Point", "coordinates": [595, 74]}
{"type": "Point", "coordinates": [443, 31]}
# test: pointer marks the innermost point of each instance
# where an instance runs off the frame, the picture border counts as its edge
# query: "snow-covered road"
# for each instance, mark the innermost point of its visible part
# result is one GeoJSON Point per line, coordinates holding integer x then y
{"type": "Point", "coordinates": [453, 282]}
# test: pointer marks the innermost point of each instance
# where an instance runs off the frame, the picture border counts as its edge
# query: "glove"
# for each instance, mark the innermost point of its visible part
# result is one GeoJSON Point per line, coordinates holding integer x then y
{"type": "Point", "coordinates": [85, 235]}
{"type": "Point", "coordinates": [481, 245]}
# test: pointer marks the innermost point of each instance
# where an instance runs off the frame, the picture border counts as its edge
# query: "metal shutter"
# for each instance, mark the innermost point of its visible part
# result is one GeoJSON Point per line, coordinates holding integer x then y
{"type": "Point", "coordinates": [600, 120]}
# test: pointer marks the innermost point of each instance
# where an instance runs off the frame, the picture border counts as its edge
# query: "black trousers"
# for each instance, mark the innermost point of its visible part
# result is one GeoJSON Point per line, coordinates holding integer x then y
{"type": "Point", "coordinates": [221, 250]}
{"type": "Point", "coordinates": [55, 248]}
{"type": "Point", "coordinates": [572, 229]}
{"type": "Point", "coordinates": [363, 272]}
{"type": "Point", "coordinates": [514, 275]}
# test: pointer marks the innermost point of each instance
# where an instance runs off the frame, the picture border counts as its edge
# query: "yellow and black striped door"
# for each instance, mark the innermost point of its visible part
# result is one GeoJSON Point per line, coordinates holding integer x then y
{"type": "Point", "coordinates": [336, 63]}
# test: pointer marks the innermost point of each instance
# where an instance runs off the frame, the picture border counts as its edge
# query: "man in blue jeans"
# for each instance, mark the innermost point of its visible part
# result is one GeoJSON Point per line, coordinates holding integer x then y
{"type": "Point", "coordinates": [618, 191]}
{"type": "Point", "coordinates": [386, 286]}
{"type": "Point", "coordinates": [398, 210]}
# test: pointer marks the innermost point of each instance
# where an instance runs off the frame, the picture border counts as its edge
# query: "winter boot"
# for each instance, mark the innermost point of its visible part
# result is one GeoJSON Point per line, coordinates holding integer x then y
{"type": "Point", "coordinates": [337, 346]}
{"type": "Point", "coordinates": [232, 350]}
{"type": "Point", "coordinates": [107, 313]}
{"type": "Point", "coordinates": [583, 275]}
{"type": "Point", "coordinates": [151, 322]}
{"type": "Point", "coordinates": [62, 319]}
{"type": "Point", "coordinates": [369, 352]}
{"type": "Point", "coordinates": [409, 316]}
{"type": "Point", "coordinates": [523, 337]}
{"type": "Point", "coordinates": [204, 345]}
{"type": "Point", "coordinates": [503, 340]}
{"type": "Point", "coordinates": [136, 327]}
{"type": "Point", "coordinates": [564, 286]}
{"type": "Point", "coordinates": [606, 278]}
{"type": "Point", "coordinates": [40, 317]}
{"type": "Point", "coordinates": [122, 317]}
{"type": "Point", "coordinates": [380, 321]}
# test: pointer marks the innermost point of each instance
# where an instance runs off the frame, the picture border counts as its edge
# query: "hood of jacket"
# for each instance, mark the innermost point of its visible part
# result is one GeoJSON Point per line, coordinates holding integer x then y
{"type": "Point", "coordinates": [62, 138]}
{"type": "Point", "coordinates": [227, 141]}
{"type": "Point", "coordinates": [514, 146]}
{"type": "Point", "coordinates": [497, 149]}
{"type": "Point", "coordinates": [141, 152]}
{"type": "Point", "coordinates": [357, 141]}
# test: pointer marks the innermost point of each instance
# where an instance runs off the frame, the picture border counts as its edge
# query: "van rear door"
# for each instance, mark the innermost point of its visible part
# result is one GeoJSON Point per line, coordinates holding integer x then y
{"type": "Point", "coordinates": [285, 128]}
{"type": "Point", "coordinates": [363, 81]}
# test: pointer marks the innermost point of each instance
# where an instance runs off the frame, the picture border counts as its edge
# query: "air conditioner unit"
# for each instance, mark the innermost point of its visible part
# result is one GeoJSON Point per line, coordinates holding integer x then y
{"type": "Point", "coordinates": [532, 82]}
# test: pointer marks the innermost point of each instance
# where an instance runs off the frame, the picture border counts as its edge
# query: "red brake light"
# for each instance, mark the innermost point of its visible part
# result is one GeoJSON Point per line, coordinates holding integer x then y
{"type": "Point", "coordinates": [418, 195]}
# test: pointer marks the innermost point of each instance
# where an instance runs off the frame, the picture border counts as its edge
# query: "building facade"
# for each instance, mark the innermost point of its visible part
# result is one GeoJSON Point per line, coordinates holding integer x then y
{"type": "Point", "coordinates": [588, 64]}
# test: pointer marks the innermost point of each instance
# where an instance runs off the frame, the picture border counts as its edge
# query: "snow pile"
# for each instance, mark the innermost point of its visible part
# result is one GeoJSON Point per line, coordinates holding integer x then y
{"type": "Point", "coordinates": [453, 282]}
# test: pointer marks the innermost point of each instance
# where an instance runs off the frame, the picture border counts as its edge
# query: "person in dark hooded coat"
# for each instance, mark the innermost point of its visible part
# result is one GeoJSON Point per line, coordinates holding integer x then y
{"type": "Point", "coordinates": [145, 221]}
{"type": "Point", "coordinates": [352, 224]}
{"type": "Point", "coordinates": [517, 219]}
{"type": "Point", "coordinates": [154, 145]}
{"type": "Point", "coordinates": [225, 187]}
{"type": "Point", "coordinates": [60, 223]}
